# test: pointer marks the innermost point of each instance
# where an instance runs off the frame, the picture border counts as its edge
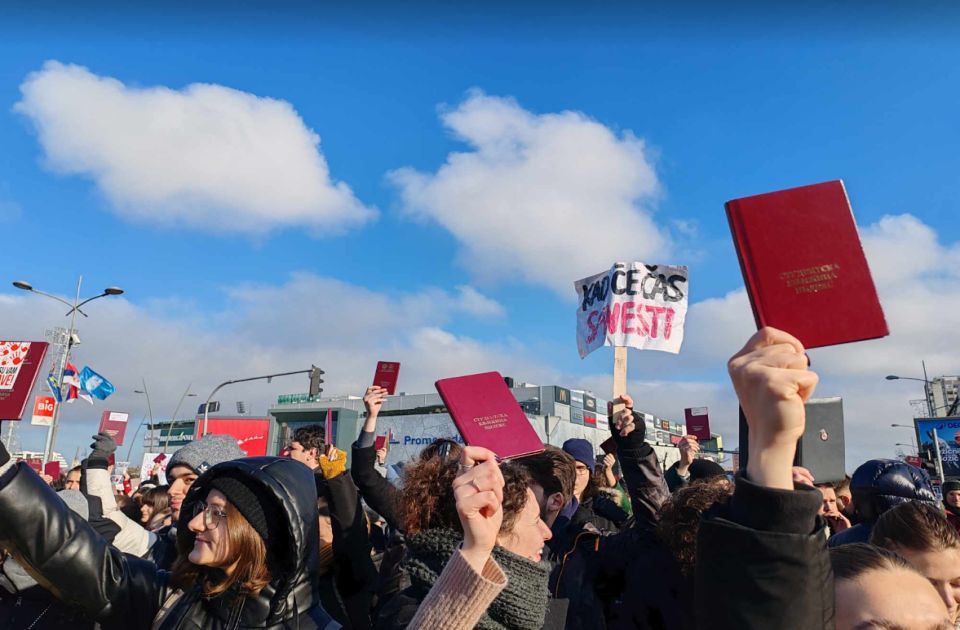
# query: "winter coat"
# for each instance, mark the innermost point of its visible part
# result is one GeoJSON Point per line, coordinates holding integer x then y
{"type": "Point", "coordinates": [379, 494]}
{"type": "Point", "coordinates": [877, 486]}
{"type": "Point", "coordinates": [25, 604]}
{"type": "Point", "coordinates": [621, 577]}
{"type": "Point", "coordinates": [762, 562]}
{"type": "Point", "coordinates": [351, 582]}
{"type": "Point", "coordinates": [123, 591]}
{"type": "Point", "coordinates": [521, 605]}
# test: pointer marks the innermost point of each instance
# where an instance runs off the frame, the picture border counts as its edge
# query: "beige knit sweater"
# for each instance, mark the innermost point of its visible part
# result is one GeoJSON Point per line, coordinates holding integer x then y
{"type": "Point", "coordinates": [460, 596]}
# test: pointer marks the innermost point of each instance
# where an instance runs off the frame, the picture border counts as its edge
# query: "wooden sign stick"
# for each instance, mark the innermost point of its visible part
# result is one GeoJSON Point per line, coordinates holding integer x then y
{"type": "Point", "coordinates": [619, 376]}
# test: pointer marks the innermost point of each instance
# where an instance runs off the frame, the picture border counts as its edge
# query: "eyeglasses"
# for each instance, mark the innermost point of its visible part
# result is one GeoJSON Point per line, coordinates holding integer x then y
{"type": "Point", "coordinates": [212, 515]}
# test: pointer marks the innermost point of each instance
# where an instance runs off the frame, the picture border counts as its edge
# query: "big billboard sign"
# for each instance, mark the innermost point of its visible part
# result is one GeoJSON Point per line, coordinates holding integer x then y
{"type": "Point", "coordinates": [947, 433]}
{"type": "Point", "coordinates": [20, 362]}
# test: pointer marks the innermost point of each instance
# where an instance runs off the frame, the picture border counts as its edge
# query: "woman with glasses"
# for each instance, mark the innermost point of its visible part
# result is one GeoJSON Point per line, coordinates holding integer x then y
{"type": "Point", "coordinates": [247, 551]}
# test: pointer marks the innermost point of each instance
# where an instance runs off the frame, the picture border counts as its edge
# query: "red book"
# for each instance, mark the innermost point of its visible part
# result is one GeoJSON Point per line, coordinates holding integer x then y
{"type": "Point", "coordinates": [380, 442]}
{"type": "Point", "coordinates": [804, 267]}
{"type": "Point", "coordinates": [386, 376]}
{"type": "Point", "coordinates": [698, 423]}
{"type": "Point", "coordinates": [487, 415]}
{"type": "Point", "coordinates": [114, 424]}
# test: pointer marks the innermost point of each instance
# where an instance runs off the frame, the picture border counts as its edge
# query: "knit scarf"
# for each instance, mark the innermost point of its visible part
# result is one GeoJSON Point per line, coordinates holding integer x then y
{"type": "Point", "coordinates": [521, 605]}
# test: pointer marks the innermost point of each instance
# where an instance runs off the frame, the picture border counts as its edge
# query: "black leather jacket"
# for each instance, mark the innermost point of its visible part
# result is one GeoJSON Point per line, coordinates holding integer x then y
{"type": "Point", "coordinates": [71, 560]}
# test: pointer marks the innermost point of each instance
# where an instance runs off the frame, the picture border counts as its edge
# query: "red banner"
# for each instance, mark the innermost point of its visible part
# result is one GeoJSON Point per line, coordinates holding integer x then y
{"type": "Point", "coordinates": [20, 363]}
{"type": "Point", "coordinates": [250, 433]}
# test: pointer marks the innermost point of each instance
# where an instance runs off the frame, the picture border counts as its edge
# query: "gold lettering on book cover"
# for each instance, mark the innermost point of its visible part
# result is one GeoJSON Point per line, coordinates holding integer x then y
{"type": "Point", "coordinates": [491, 422]}
{"type": "Point", "coordinates": [812, 279]}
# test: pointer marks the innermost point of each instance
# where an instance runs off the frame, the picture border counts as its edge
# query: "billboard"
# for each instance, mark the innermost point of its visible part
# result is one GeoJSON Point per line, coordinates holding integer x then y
{"type": "Point", "coordinates": [250, 433]}
{"type": "Point", "coordinates": [947, 431]}
{"type": "Point", "coordinates": [20, 363]}
{"type": "Point", "coordinates": [43, 407]}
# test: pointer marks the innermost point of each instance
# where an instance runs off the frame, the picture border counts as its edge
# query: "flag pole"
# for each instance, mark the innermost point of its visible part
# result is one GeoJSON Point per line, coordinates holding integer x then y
{"type": "Point", "coordinates": [55, 422]}
{"type": "Point", "coordinates": [619, 376]}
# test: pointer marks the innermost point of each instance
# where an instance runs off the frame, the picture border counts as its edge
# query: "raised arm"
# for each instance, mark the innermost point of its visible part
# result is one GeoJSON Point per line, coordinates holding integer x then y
{"type": "Point", "coordinates": [762, 561]}
{"type": "Point", "coordinates": [132, 538]}
{"type": "Point", "coordinates": [379, 493]}
{"type": "Point", "coordinates": [639, 464]}
{"type": "Point", "coordinates": [68, 558]}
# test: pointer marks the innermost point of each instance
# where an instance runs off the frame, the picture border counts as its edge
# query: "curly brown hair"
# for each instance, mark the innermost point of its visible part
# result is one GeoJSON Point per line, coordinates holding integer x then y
{"type": "Point", "coordinates": [426, 496]}
{"type": "Point", "coordinates": [680, 517]}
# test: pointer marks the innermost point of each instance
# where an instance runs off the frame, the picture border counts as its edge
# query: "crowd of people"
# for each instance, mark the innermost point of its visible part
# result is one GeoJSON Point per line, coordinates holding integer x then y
{"type": "Point", "coordinates": [456, 539]}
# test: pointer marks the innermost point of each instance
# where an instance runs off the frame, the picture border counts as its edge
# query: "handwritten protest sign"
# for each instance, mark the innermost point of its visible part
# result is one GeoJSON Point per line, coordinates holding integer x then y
{"type": "Point", "coordinates": [632, 305]}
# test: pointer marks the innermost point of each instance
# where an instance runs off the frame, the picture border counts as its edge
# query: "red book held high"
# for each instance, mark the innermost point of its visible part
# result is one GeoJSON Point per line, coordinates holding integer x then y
{"type": "Point", "coordinates": [487, 414]}
{"type": "Point", "coordinates": [804, 267]}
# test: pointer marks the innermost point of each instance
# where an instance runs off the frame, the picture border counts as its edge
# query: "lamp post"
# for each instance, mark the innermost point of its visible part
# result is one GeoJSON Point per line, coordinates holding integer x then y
{"type": "Point", "coordinates": [926, 395]}
{"type": "Point", "coordinates": [173, 419]}
{"type": "Point", "coordinates": [71, 340]}
{"type": "Point", "coordinates": [135, 434]}
{"type": "Point", "coordinates": [146, 393]}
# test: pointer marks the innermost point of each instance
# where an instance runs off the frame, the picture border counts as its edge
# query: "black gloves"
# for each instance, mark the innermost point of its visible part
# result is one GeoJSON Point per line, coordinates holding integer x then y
{"type": "Point", "coordinates": [103, 447]}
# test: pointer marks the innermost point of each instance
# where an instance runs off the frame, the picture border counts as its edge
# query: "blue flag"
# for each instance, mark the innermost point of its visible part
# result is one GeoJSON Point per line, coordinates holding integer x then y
{"type": "Point", "coordinates": [95, 384]}
{"type": "Point", "coordinates": [54, 387]}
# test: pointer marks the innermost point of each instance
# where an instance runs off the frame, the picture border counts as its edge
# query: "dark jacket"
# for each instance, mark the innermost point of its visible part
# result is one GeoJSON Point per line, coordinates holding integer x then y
{"type": "Point", "coordinates": [610, 576]}
{"type": "Point", "coordinates": [598, 510]}
{"type": "Point", "coordinates": [34, 607]}
{"type": "Point", "coordinates": [877, 486]}
{"type": "Point", "coordinates": [762, 562]}
{"type": "Point", "coordinates": [347, 592]}
{"type": "Point", "coordinates": [126, 592]}
{"type": "Point", "coordinates": [378, 493]}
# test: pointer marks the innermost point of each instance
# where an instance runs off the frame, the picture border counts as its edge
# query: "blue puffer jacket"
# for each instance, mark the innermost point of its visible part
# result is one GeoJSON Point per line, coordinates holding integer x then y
{"type": "Point", "coordinates": [877, 486]}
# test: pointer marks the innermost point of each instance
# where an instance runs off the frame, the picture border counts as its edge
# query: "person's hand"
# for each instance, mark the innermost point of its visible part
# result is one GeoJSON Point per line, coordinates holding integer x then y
{"type": "Point", "coordinates": [381, 455]}
{"type": "Point", "coordinates": [102, 447]}
{"type": "Point", "coordinates": [373, 399]}
{"type": "Point", "coordinates": [623, 422]}
{"type": "Point", "coordinates": [803, 476]}
{"type": "Point", "coordinates": [772, 381]}
{"type": "Point", "coordinates": [126, 475]}
{"type": "Point", "coordinates": [689, 447]}
{"type": "Point", "coordinates": [478, 491]}
{"type": "Point", "coordinates": [47, 479]}
{"type": "Point", "coordinates": [608, 461]}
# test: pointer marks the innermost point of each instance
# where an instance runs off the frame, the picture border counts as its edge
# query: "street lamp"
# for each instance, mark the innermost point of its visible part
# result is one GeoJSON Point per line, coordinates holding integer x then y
{"type": "Point", "coordinates": [926, 395]}
{"type": "Point", "coordinates": [146, 393]}
{"type": "Point", "coordinates": [71, 336]}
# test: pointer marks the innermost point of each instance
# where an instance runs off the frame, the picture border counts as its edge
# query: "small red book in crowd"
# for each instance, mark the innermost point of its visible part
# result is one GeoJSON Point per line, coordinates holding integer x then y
{"type": "Point", "coordinates": [386, 376]}
{"type": "Point", "coordinates": [698, 423]}
{"type": "Point", "coordinates": [487, 414]}
{"type": "Point", "coordinates": [804, 267]}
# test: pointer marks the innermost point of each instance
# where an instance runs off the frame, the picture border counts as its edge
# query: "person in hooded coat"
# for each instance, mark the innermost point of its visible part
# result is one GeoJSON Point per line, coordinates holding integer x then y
{"type": "Point", "coordinates": [247, 542]}
{"type": "Point", "coordinates": [877, 486]}
{"type": "Point", "coordinates": [25, 604]}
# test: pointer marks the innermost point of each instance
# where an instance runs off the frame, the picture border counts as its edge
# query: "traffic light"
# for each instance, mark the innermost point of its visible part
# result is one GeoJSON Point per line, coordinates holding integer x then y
{"type": "Point", "coordinates": [315, 381]}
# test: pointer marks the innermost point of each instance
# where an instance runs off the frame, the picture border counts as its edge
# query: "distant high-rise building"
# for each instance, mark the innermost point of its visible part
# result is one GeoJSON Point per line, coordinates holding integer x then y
{"type": "Point", "coordinates": [942, 394]}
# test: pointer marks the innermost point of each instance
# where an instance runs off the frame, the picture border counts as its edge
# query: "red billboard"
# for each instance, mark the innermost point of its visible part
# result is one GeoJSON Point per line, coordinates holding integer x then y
{"type": "Point", "coordinates": [250, 433]}
{"type": "Point", "coordinates": [20, 362]}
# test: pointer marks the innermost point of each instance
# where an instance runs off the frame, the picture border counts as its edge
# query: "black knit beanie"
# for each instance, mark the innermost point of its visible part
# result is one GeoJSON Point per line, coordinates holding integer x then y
{"type": "Point", "coordinates": [254, 503]}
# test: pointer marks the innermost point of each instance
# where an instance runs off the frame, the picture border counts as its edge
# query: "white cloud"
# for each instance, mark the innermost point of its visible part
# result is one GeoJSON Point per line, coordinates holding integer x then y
{"type": "Point", "coordinates": [543, 198]}
{"type": "Point", "coordinates": [206, 156]}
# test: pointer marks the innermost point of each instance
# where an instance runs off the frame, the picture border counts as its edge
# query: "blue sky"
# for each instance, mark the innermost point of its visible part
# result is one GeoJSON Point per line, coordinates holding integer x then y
{"type": "Point", "coordinates": [724, 103]}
